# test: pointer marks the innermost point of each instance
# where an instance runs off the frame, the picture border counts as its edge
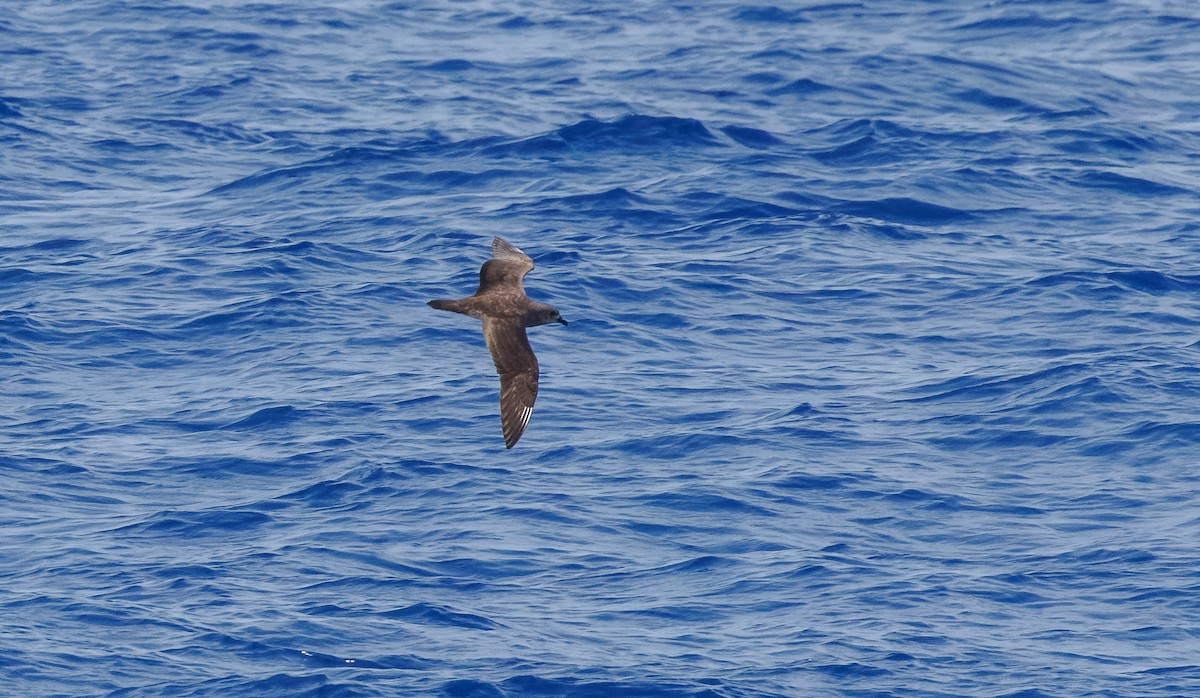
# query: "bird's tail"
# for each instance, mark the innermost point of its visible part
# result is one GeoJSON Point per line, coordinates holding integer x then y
{"type": "Point", "coordinates": [452, 306]}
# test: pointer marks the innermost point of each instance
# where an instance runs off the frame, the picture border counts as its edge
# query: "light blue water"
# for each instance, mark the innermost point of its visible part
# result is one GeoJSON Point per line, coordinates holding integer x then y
{"type": "Point", "coordinates": [881, 378]}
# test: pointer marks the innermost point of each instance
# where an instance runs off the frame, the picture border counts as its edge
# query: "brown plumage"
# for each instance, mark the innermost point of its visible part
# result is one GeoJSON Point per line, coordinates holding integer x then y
{"type": "Point", "coordinates": [500, 302]}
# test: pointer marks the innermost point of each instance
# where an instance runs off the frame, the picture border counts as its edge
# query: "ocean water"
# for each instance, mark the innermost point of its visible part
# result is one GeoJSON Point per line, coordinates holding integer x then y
{"type": "Point", "coordinates": [882, 377]}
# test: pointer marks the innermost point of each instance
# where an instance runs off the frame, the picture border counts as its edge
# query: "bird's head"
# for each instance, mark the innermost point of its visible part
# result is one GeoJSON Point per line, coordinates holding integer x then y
{"type": "Point", "coordinates": [544, 316]}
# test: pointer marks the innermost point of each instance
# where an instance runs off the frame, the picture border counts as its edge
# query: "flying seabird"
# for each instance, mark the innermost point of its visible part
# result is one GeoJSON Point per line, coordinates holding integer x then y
{"type": "Point", "coordinates": [506, 311]}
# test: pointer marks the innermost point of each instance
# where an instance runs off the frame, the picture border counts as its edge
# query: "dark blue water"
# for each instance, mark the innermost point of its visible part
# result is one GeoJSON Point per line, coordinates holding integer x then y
{"type": "Point", "coordinates": [882, 378]}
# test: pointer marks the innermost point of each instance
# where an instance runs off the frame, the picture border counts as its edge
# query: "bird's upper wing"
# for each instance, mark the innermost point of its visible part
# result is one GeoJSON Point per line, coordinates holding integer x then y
{"type": "Point", "coordinates": [507, 266]}
{"type": "Point", "coordinates": [518, 369]}
{"type": "Point", "coordinates": [503, 249]}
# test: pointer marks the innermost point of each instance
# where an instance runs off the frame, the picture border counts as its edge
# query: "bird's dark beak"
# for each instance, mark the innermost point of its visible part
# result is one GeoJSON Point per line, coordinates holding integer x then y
{"type": "Point", "coordinates": [562, 321]}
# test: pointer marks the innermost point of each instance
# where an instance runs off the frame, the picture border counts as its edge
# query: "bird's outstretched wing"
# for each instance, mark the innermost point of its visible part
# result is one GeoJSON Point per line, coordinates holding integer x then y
{"type": "Point", "coordinates": [503, 249]}
{"type": "Point", "coordinates": [507, 267]}
{"type": "Point", "coordinates": [518, 369]}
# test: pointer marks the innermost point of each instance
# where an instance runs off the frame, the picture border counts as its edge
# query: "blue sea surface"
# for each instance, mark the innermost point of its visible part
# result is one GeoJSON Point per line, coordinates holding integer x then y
{"type": "Point", "coordinates": [882, 377]}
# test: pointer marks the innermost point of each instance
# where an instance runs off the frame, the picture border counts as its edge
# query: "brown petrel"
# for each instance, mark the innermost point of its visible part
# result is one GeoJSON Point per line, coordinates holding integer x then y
{"type": "Point", "coordinates": [506, 311]}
